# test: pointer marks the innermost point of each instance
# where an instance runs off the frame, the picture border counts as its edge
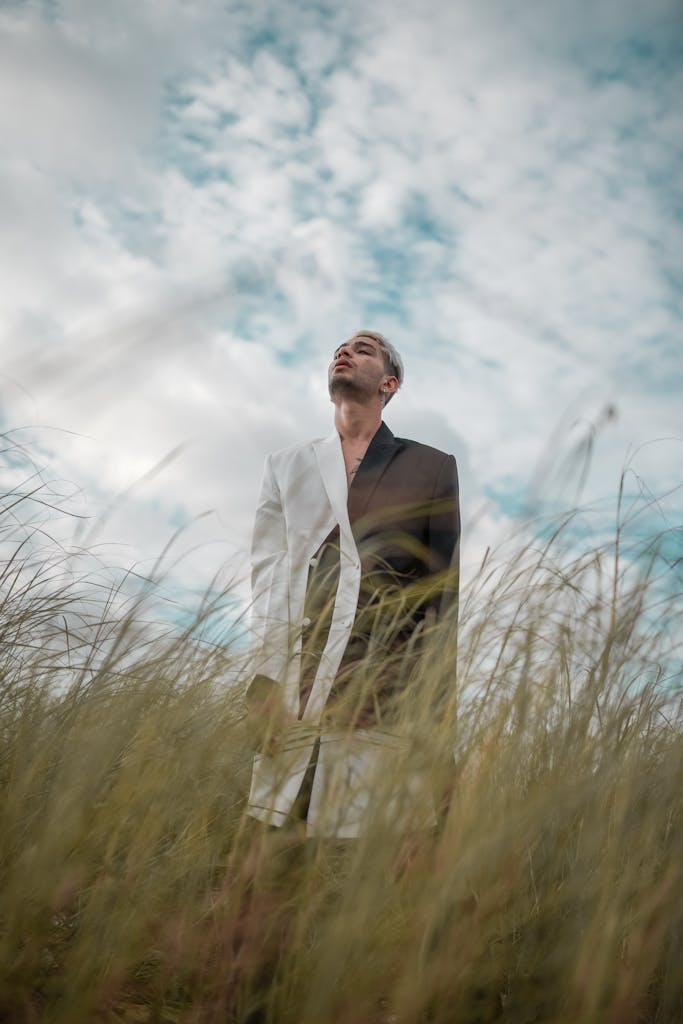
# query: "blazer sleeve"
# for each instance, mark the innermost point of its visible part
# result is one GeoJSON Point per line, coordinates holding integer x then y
{"type": "Point", "coordinates": [444, 535]}
{"type": "Point", "coordinates": [270, 581]}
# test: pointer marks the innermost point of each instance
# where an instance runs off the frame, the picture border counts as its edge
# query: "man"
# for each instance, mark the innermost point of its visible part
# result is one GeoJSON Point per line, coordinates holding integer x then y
{"type": "Point", "coordinates": [354, 559]}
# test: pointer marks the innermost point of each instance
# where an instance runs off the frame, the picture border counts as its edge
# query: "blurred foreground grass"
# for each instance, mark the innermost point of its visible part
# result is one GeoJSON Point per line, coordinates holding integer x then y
{"type": "Point", "coordinates": [134, 889]}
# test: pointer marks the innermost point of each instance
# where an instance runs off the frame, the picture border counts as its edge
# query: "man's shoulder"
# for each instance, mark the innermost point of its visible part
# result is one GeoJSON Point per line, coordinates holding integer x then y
{"type": "Point", "coordinates": [409, 447]}
{"type": "Point", "coordinates": [292, 451]}
{"type": "Point", "coordinates": [423, 451]}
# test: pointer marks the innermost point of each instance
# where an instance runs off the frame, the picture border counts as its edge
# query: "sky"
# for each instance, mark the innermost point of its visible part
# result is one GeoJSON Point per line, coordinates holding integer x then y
{"type": "Point", "coordinates": [200, 200]}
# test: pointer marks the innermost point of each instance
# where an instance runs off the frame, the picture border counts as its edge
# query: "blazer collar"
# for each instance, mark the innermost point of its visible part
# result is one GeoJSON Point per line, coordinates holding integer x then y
{"type": "Point", "coordinates": [381, 451]}
{"type": "Point", "coordinates": [330, 458]}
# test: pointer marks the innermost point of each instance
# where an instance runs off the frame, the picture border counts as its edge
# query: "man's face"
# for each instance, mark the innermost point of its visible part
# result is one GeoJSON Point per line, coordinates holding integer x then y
{"type": "Point", "coordinates": [357, 369]}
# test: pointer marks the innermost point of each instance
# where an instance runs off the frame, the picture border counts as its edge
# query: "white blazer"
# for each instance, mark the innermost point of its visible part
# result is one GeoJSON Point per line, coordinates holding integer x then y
{"type": "Point", "coordinates": [303, 497]}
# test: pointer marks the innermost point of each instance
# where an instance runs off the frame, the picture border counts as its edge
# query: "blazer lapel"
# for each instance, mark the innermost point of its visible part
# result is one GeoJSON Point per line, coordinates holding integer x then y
{"type": "Point", "coordinates": [330, 458]}
{"type": "Point", "coordinates": [381, 451]}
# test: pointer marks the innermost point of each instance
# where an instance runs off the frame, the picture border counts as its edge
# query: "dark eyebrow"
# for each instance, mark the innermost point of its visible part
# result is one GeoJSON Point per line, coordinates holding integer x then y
{"type": "Point", "coordinates": [357, 343]}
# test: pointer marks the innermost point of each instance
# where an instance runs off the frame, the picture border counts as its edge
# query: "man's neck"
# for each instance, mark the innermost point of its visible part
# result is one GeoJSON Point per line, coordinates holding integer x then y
{"type": "Point", "coordinates": [357, 421]}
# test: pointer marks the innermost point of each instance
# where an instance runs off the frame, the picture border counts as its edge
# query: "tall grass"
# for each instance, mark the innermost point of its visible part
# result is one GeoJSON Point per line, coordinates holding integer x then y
{"type": "Point", "coordinates": [134, 888]}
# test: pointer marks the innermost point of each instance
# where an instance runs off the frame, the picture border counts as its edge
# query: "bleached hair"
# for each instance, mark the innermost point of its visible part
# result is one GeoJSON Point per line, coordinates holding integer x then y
{"type": "Point", "coordinates": [393, 363]}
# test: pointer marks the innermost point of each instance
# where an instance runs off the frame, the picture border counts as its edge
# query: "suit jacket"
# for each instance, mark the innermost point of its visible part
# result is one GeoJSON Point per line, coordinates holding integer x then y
{"type": "Point", "coordinates": [402, 491]}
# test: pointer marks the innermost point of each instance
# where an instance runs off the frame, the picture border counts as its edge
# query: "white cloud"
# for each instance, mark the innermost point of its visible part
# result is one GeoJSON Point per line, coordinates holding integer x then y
{"type": "Point", "coordinates": [183, 210]}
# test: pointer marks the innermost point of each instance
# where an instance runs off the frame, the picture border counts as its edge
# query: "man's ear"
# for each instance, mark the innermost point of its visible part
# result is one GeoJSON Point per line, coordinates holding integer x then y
{"type": "Point", "coordinates": [390, 385]}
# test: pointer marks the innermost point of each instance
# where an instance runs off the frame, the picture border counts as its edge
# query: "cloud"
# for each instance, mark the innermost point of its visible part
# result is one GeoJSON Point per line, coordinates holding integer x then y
{"type": "Point", "coordinates": [201, 200]}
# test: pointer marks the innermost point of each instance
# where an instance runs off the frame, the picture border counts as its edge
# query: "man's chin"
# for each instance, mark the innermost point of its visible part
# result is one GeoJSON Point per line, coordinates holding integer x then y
{"type": "Point", "coordinates": [342, 387]}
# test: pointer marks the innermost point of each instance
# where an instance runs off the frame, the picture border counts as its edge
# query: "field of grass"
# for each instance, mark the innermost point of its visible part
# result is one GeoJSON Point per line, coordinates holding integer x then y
{"type": "Point", "coordinates": [134, 888]}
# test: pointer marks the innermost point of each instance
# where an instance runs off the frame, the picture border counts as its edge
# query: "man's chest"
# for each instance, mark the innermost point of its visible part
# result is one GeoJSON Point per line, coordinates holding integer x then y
{"type": "Point", "coordinates": [353, 454]}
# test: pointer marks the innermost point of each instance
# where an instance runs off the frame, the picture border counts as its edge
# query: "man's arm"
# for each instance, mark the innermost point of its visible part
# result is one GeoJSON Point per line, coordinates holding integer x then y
{"type": "Point", "coordinates": [270, 582]}
{"type": "Point", "coordinates": [444, 546]}
{"type": "Point", "coordinates": [444, 536]}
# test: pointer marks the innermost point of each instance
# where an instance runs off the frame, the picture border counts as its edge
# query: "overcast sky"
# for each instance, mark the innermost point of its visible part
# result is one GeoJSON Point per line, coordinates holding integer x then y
{"type": "Point", "coordinates": [200, 200]}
